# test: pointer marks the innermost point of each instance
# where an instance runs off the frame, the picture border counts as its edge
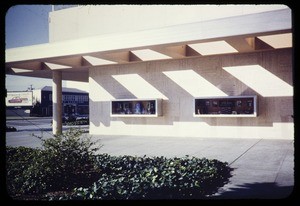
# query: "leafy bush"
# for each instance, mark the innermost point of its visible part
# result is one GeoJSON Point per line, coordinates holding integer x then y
{"type": "Point", "coordinates": [65, 161]}
{"type": "Point", "coordinates": [66, 167]}
{"type": "Point", "coordinates": [128, 177]}
{"type": "Point", "coordinates": [17, 163]}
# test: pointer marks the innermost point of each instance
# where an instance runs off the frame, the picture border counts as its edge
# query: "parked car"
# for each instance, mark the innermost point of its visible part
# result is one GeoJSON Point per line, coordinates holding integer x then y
{"type": "Point", "coordinates": [69, 117]}
{"type": "Point", "coordinates": [10, 129]}
{"type": "Point", "coordinates": [75, 117]}
{"type": "Point", "coordinates": [15, 100]}
{"type": "Point", "coordinates": [81, 116]}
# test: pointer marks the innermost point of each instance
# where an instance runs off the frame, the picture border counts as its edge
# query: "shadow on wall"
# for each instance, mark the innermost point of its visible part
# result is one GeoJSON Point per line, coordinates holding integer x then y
{"type": "Point", "coordinates": [194, 77]}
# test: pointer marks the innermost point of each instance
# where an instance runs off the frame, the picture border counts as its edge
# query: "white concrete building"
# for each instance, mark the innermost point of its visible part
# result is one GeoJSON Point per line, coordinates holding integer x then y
{"type": "Point", "coordinates": [161, 70]}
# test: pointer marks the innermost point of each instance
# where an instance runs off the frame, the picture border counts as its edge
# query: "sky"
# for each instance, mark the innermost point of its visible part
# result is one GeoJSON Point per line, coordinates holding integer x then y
{"type": "Point", "coordinates": [26, 25]}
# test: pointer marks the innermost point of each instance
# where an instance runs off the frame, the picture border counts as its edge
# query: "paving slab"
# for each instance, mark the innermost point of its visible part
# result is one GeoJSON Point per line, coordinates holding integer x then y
{"type": "Point", "coordinates": [262, 168]}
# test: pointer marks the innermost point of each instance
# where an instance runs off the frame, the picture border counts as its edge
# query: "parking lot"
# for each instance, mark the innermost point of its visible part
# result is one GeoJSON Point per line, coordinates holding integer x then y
{"type": "Point", "coordinates": [30, 130]}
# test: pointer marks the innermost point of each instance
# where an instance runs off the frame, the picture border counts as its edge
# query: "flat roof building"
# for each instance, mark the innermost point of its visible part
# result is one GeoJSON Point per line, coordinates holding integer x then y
{"type": "Point", "coordinates": [74, 101]}
{"type": "Point", "coordinates": [161, 70]}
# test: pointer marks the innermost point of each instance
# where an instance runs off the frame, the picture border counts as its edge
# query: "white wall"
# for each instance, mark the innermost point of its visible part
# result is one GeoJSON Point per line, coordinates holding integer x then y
{"type": "Point", "coordinates": [166, 79]}
{"type": "Point", "coordinates": [37, 96]}
{"type": "Point", "coordinates": [177, 82]}
{"type": "Point", "coordinates": [89, 20]}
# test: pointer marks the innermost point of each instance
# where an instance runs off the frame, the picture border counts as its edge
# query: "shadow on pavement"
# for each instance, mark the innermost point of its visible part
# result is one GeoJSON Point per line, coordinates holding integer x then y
{"type": "Point", "coordinates": [258, 191]}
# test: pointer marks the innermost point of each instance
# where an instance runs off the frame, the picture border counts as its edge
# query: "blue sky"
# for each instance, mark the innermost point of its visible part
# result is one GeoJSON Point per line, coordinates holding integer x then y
{"type": "Point", "coordinates": [26, 25]}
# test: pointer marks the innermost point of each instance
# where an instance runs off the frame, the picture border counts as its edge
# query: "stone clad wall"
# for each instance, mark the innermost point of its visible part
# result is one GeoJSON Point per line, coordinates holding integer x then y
{"type": "Point", "coordinates": [178, 82]}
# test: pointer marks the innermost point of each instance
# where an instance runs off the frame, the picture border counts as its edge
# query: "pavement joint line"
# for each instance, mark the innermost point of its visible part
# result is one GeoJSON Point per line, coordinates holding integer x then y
{"type": "Point", "coordinates": [244, 152]}
{"type": "Point", "coordinates": [281, 163]}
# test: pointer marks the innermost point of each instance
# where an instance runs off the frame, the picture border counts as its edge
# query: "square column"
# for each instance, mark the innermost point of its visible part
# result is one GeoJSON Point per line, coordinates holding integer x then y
{"type": "Point", "coordinates": [57, 102]}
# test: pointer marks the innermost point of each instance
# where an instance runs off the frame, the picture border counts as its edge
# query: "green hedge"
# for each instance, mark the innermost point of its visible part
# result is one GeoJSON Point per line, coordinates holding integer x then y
{"type": "Point", "coordinates": [64, 162]}
{"type": "Point", "coordinates": [68, 168]}
{"type": "Point", "coordinates": [128, 177]}
{"type": "Point", "coordinates": [18, 162]}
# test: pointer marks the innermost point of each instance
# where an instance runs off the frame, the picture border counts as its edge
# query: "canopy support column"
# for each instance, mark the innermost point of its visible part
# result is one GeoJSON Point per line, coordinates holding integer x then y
{"type": "Point", "coordinates": [57, 102]}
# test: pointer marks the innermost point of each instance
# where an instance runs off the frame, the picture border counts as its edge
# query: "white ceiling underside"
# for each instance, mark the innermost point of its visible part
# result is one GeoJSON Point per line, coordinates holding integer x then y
{"type": "Point", "coordinates": [248, 33]}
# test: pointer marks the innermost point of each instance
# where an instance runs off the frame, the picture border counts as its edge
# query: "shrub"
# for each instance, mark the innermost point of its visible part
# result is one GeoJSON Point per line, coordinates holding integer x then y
{"type": "Point", "coordinates": [17, 163]}
{"type": "Point", "coordinates": [128, 177]}
{"type": "Point", "coordinates": [68, 161]}
{"type": "Point", "coordinates": [64, 162]}
{"type": "Point", "coordinates": [70, 155]}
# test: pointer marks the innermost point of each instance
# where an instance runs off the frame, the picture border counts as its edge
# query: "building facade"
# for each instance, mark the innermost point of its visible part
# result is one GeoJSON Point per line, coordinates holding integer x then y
{"type": "Point", "coordinates": [212, 71]}
{"type": "Point", "coordinates": [74, 102]}
{"type": "Point", "coordinates": [179, 82]}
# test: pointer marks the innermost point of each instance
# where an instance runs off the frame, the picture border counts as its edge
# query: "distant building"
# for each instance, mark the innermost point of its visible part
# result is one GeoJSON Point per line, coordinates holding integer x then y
{"type": "Point", "coordinates": [74, 101]}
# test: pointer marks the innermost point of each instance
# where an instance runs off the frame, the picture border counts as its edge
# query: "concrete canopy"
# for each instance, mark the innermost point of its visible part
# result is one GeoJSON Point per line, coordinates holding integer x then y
{"type": "Point", "coordinates": [246, 33]}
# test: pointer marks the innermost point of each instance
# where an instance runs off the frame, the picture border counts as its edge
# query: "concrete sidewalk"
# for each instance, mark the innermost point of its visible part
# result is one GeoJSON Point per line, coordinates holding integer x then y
{"type": "Point", "coordinates": [262, 168]}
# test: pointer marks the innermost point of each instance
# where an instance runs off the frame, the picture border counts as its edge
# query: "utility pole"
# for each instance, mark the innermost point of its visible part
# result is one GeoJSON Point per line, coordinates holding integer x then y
{"type": "Point", "coordinates": [30, 88]}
